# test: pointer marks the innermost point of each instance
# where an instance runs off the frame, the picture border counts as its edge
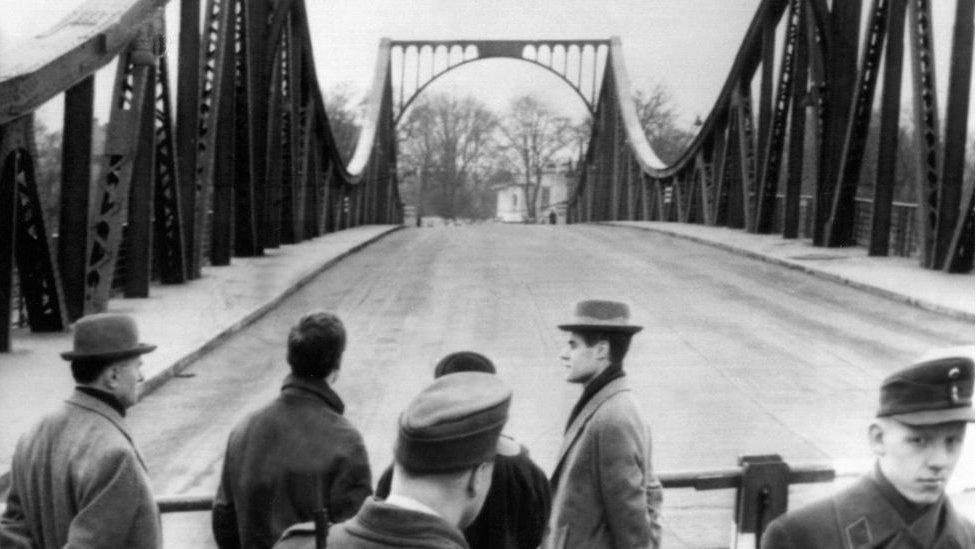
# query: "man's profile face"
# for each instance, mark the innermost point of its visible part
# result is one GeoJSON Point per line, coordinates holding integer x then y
{"type": "Point", "coordinates": [127, 382]}
{"type": "Point", "coordinates": [583, 362]}
{"type": "Point", "coordinates": [918, 460]}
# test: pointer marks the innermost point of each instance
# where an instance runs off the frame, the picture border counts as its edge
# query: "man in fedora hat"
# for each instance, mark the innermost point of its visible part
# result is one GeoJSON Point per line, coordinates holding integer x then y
{"type": "Point", "coordinates": [77, 479]}
{"type": "Point", "coordinates": [916, 436]}
{"type": "Point", "coordinates": [605, 491]}
{"type": "Point", "coordinates": [447, 439]}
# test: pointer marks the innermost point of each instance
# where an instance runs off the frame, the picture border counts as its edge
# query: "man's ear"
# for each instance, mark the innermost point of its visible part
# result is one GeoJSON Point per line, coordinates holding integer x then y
{"type": "Point", "coordinates": [876, 438]}
{"type": "Point", "coordinates": [602, 349]}
{"type": "Point", "coordinates": [481, 474]}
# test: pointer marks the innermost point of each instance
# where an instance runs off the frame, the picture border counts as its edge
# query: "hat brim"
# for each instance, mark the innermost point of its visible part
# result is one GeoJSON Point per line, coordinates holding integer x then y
{"type": "Point", "coordinates": [934, 417]}
{"type": "Point", "coordinates": [139, 349]}
{"type": "Point", "coordinates": [625, 329]}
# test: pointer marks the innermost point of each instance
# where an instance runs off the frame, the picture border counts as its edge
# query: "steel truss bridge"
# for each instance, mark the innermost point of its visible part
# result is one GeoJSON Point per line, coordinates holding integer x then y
{"type": "Point", "coordinates": [240, 157]}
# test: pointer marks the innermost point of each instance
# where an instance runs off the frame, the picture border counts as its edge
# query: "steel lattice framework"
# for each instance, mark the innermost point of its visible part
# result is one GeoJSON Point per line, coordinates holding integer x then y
{"type": "Point", "coordinates": [245, 163]}
{"type": "Point", "coordinates": [744, 167]}
{"type": "Point", "coordinates": [246, 160]}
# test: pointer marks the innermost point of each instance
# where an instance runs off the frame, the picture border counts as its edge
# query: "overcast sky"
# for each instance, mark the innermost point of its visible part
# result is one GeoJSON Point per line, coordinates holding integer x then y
{"type": "Point", "coordinates": [687, 45]}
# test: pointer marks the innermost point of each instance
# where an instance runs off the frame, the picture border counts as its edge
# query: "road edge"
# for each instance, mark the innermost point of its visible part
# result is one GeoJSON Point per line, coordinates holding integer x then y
{"type": "Point", "coordinates": [881, 292]}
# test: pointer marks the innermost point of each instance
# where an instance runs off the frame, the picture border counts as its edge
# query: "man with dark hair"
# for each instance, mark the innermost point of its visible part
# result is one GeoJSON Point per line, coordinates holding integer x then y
{"type": "Point", "coordinates": [446, 443]}
{"type": "Point", "coordinates": [917, 437]}
{"type": "Point", "coordinates": [297, 454]}
{"type": "Point", "coordinates": [77, 479]}
{"type": "Point", "coordinates": [517, 506]}
{"type": "Point", "coordinates": [605, 491]}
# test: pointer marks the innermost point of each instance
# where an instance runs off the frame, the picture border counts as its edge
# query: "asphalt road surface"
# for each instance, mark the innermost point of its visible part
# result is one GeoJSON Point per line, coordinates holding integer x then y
{"type": "Point", "coordinates": [737, 356]}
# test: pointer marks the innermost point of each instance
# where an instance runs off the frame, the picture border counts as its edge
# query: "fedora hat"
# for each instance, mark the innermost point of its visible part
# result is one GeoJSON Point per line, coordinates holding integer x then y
{"type": "Point", "coordinates": [106, 336]}
{"type": "Point", "coordinates": [599, 315]}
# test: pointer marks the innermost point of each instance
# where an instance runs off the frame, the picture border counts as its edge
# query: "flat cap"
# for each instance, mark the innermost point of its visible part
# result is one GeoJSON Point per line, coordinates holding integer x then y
{"type": "Point", "coordinates": [453, 424]}
{"type": "Point", "coordinates": [938, 390]}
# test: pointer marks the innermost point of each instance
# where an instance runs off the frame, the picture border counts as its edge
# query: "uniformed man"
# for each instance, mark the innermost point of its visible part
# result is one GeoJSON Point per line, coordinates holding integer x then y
{"type": "Point", "coordinates": [447, 439]}
{"type": "Point", "coordinates": [917, 437]}
{"type": "Point", "coordinates": [77, 478]}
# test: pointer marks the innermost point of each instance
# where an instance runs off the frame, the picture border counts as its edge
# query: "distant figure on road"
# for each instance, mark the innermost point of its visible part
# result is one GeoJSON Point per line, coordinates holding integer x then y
{"type": "Point", "coordinates": [77, 479]}
{"type": "Point", "coordinates": [605, 490]}
{"type": "Point", "coordinates": [517, 506]}
{"type": "Point", "coordinates": [297, 454]}
{"type": "Point", "coordinates": [917, 437]}
{"type": "Point", "coordinates": [447, 439]}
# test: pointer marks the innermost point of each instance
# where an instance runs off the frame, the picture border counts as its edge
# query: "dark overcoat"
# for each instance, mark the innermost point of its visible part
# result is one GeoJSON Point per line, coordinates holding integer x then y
{"type": "Point", "coordinates": [79, 481]}
{"type": "Point", "coordinates": [606, 494]}
{"type": "Point", "coordinates": [284, 461]}
{"type": "Point", "coordinates": [860, 516]}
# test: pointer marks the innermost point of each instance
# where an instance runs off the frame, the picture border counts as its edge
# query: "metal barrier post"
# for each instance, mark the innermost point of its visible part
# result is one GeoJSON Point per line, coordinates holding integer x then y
{"type": "Point", "coordinates": [760, 497]}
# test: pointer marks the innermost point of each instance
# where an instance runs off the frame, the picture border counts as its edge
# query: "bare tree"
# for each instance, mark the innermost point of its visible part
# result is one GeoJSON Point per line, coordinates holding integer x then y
{"type": "Point", "coordinates": [345, 117]}
{"type": "Point", "coordinates": [659, 118]}
{"type": "Point", "coordinates": [446, 143]}
{"type": "Point", "coordinates": [535, 136]}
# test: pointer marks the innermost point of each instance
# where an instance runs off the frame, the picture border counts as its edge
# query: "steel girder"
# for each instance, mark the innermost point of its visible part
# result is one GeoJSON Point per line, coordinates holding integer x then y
{"type": "Point", "coordinates": [816, 121]}
{"type": "Point", "coordinates": [23, 236]}
{"type": "Point", "coordinates": [206, 185]}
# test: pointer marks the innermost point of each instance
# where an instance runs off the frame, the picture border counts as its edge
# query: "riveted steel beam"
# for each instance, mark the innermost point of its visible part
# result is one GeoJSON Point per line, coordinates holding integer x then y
{"type": "Point", "coordinates": [76, 157]}
{"type": "Point", "coordinates": [884, 183]}
{"type": "Point", "coordinates": [131, 91]}
{"type": "Point", "coordinates": [953, 218]}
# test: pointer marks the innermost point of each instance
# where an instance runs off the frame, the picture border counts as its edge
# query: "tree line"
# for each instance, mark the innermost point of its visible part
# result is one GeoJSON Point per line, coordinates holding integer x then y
{"type": "Point", "coordinates": [455, 152]}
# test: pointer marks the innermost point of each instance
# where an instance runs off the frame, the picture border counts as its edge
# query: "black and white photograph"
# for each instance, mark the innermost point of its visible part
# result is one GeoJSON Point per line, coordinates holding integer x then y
{"type": "Point", "coordinates": [460, 274]}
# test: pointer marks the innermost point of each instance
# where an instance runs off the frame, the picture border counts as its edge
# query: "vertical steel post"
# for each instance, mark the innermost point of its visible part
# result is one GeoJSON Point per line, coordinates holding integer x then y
{"type": "Point", "coordinates": [8, 233]}
{"type": "Point", "coordinates": [954, 164]}
{"type": "Point", "coordinates": [884, 183]}
{"type": "Point", "coordinates": [230, 233]}
{"type": "Point", "coordinates": [839, 230]}
{"type": "Point", "coordinates": [798, 114]}
{"type": "Point", "coordinates": [843, 28]}
{"type": "Point", "coordinates": [187, 125]}
{"type": "Point", "coordinates": [138, 233]}
{"type": "Point", "coordinates": [76, 158]}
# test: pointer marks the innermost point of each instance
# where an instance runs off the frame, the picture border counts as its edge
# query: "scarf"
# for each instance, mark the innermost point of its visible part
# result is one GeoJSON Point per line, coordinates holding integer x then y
{"type": "Point", "coordinates": [612, 372]}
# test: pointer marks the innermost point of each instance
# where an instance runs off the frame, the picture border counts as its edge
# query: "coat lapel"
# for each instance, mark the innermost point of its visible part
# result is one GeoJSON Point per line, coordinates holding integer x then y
{"type": "Point", "coordinates": [92, 404]}
{"type": "Point", "coordinates": [576, 428]}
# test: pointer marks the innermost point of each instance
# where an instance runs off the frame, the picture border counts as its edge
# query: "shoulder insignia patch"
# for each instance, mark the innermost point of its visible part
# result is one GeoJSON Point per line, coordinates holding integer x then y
{"type": "Point", "coordinates": [858, 533]}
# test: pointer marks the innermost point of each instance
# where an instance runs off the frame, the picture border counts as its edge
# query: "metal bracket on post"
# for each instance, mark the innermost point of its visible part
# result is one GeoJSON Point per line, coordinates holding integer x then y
{"type": "Point", "coordinates": [761, 497]}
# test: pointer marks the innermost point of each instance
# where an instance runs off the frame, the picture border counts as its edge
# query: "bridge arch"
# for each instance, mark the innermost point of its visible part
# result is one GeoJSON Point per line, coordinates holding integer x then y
{"type": "Point", "coordinates": [441, 58]}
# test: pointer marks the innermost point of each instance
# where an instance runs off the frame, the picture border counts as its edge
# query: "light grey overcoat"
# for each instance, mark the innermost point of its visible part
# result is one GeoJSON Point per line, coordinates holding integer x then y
{"type": "Point", "coordinates": [77, 480]}
{"type": "Point", "coordinates": [606, 491]}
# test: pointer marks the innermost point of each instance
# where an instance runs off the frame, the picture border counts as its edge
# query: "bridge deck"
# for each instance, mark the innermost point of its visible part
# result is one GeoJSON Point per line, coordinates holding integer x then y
{"type": "Point", "coordinates": [737, 357]}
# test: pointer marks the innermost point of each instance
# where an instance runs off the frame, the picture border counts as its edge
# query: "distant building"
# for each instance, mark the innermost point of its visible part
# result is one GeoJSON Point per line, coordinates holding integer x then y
{"type": "Point", "coordinates": [557, 183]}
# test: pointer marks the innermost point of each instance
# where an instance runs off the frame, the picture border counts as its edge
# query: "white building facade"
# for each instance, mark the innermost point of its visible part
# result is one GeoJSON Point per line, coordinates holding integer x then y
{"type": "Point", "coordinates": [511, 205]}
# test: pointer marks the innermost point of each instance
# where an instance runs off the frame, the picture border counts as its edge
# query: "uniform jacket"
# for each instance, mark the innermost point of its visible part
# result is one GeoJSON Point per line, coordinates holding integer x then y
{"type": "Point", "coordinates": [78, 481]}
{"type": "Point", "coordinates": [516, 508]}
{"type": "Point", "coordinates": [860, 516]}
{"type": "Point", "coordinates": [284, 461]}
{"type": "Point", "coordinates": [379, 525]}
{"type": "Point", "coordinates": [606, 494]}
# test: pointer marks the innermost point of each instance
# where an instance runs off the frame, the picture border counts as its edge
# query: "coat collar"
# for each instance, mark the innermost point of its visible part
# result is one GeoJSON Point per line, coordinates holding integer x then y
{"type": "Point", "coordinates": [310, 388]}
{"type": "Point", "coordinates": [616, 386]}
{"type": "Point", "coordinates": [90, 403]}
{"type": "Point", "coordinates": [866, 519]}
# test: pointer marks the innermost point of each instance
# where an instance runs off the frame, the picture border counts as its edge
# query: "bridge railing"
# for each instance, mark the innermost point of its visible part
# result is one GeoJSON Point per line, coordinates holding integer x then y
{"type": "Point", "coordinates": [239, 160]}
{"type": "Point", "coordinates": [761, 484]}
{"type": "Point", "coordinates": [811, 121]}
